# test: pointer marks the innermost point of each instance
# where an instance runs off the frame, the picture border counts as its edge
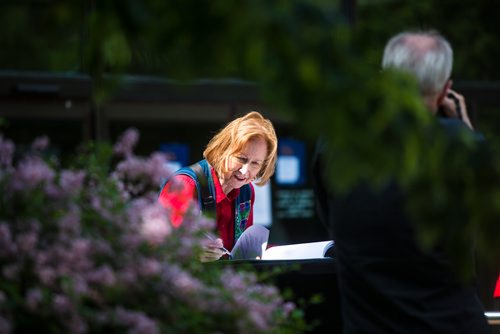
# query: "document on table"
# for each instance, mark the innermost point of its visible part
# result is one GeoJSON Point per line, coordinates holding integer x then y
{"type": "Point", "coordinates": [308, 250]}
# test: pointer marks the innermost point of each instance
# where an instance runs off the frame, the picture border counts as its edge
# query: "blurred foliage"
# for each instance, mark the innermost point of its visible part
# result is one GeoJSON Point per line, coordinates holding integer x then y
{"type": "Point", "coordinates": [470, 26]}
{"type": "Point", "coordinates": [311, 62]}
{"type": "Point", "coordinates": [40, 35]}
{"type": "Point", "coordinates": [154, 36]}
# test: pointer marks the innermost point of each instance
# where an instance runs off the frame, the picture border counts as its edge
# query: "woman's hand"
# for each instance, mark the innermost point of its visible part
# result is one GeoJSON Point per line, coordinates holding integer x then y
{"type": "Point", "coordinates": [213, 250]}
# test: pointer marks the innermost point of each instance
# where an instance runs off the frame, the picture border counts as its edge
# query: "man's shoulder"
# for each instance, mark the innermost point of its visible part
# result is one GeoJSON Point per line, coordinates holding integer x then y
{"type": "Point", "coordinates": [454, 127]}
{"type": "Point", "coordinates": [452, 123]}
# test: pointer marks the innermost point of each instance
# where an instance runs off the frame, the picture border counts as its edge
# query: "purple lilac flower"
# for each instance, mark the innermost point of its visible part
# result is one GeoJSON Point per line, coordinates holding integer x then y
{"type": "Point", "coordinates": [71, 182]}
{"type": "Point", "coordinates": [133, 173]}
{"type": "Point", "coordinates": [53, 191]}
{"type": "Point", "coordinates": [62, 304]}
{"type": "Point", "coordinates": [137, 174]}
{"type": "Point", "coordinates": [135, 210]}
{"type": "Point", "coordinates": [82, 246]}
{"type": "Point", "coordinates": [40, 143]}
{"type": "Point", "coordinates": [102, 248]}
{"type": "Point", "coordinates": [155, 227]}
{"type": "Point", "coordinates": [76, 257]}
{"type": "Point", "coordinates": [138, 322]}
{"type": "Point", "coordinates": [128, 275]}
{"type": "Point", "coordinates": [131, 168]}
{"type": "Point", "coordinates": [249, 279]}
{"type": "Point", "coordinates": [70, 222]}
{"type": "Point", "coordinates": [132, 240]}
{"type": "Point", "coordinates": [34, 297]}
{"type": "Point", "coordinates": [41, 258]}
{"type": "Point", "coordinates": [182, 282]}
{"type": "Point", "coordinates": [288, 308]}
{"type": "Point", "coordinates": [212, 302]}
{"type": "Point", "coordinates": [150, 267]}
{"type": "Point", "coordinates": [260, 320]}
{"type": "Point", "coordinates": [26, 242]}
{"type": "Point", "coordinates": [266, 291]}
{"type": "Point", "coordinates": [30, 173]}
{"type": "Point", "coordinates": [97, 204]}
{"type": "Point", "coordinates": [7, 246]}
{"type": "Point", "coordinates": [79, 285]}
{"type": "Point", "coordinates": [120, 186]}
{"type": "Point", "coordinates": [157, 167]}
{"type": "Point", "coordinates": [66, 271]}
{"type": "Point", "coordinates": [127, 142]}
{"type": "Point", "coordinates": [235, 282]}
{"type": "Point", "coordinates": [103, 275]}
{"type": "Point", "coordinates": [47, 275]}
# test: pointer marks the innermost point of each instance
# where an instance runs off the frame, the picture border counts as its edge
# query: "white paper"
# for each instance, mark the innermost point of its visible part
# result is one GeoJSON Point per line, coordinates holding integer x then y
{"type": "Point", "coordinates": [308, 250]}
{"type": "Point", "coordinates": [250, 243]}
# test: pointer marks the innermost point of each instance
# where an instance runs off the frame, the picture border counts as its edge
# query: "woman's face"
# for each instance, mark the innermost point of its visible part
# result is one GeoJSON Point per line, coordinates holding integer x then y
{"type": "Point", "coordinates": [245, 165]}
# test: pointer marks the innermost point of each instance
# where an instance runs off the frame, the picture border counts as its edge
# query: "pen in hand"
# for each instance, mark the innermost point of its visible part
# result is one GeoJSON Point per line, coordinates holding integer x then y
{"type": "Point", "coordinates": [211, 237]}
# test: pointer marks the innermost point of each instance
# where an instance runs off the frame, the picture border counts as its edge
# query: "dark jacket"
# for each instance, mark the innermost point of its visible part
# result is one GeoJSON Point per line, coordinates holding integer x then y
{"type": "Point", "coordinates": [387, 283]}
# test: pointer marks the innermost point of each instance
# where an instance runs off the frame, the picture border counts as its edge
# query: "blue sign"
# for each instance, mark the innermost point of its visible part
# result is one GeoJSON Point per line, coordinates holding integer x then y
{"type": "Point", "coordinates": [290, 167]}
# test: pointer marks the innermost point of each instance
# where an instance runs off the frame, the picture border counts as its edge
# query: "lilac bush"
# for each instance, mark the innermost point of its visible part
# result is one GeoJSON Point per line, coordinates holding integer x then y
{"type": "Point", "coordinates": [86, 248]}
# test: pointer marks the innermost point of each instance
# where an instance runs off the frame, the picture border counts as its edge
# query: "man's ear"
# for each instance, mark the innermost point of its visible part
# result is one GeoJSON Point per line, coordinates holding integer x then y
{"type": "Point", "coordinates": [442, 95]}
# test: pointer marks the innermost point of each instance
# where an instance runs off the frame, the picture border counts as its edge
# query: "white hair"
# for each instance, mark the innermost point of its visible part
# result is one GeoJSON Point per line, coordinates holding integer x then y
{"type": "Point", "coordinates": [426, 55]}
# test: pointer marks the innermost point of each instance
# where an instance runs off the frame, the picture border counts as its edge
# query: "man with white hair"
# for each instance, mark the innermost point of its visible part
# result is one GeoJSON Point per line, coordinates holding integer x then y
{"type": "Point", "coordinates": [429, 58]}
{"type": "Point", "coordinates": [387, 282]}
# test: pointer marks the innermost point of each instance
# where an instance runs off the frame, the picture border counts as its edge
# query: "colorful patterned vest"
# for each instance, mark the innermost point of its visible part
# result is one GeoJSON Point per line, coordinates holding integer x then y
{"type": "Point", "coordinates": [200, 172]}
